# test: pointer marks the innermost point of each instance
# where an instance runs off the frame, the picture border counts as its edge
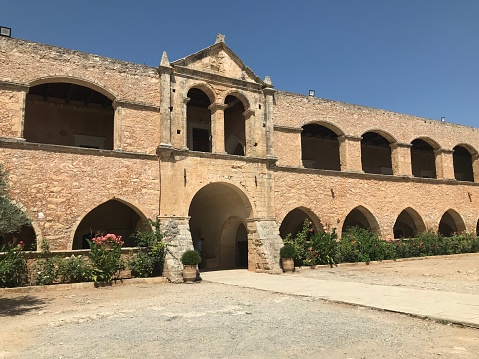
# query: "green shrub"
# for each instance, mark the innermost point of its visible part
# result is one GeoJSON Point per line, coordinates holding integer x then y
{"type": "Point", "coordinates": [13, 267]}
{"type": "Point", "coordinates": [323, 248]}
{"type": "Point", "coordinates": [361, 245]}
{"type": "Point", "coordinates": [190, 257]}
{"type": "Point", "coordinates": [300, 242]}
{"type": "Point", "coordinates": [74, 269]}
{"type": "Point", "coordinates": [45, 271]}
{"type": "Point", "coordinates": [149, 261]}
{"type": "Point", "coordinates": [287, 251]}
{"type": "Point", "coordinates": [105, 260]}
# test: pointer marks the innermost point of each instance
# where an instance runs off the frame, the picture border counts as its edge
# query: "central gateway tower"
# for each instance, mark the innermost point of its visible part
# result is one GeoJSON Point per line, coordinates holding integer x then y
{"type": "Point", "coordinates": [216, 158]}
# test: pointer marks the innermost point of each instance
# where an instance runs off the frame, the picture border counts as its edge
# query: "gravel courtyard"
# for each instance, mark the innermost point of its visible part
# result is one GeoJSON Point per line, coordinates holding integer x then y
{"type": "Point", "coordinates": [209, 320]}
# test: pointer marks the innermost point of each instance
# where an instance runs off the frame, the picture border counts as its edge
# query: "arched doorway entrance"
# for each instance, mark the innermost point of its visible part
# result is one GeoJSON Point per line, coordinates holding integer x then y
{"type": "Point", "coordinates": [451, 222]}
{"type": "Point", "coordinates": [408, 224]}
{"type": "Point", "coordinates": [235, 126]}
{"type": "Point", "coordinates": [113, 216]}
{"type": "Point", "coordinates": [219, 214]}
{"type": "Point", "coordinates": [361, 217]}
{"type": "Point", "coordinates": [320, 147]}
{"type": "Point", "coordinates": [294, 220]}
{"type": "Point", "coordinates": [376, 154]}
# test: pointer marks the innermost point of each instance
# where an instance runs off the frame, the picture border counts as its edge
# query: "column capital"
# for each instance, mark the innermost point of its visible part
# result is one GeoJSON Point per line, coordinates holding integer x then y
{"type": "Point", "coordinates": [395, 145]}
{"type": "Point", "coordinates": [343, 138]}
{"type": "Point", "coordinates": [248, 113]}
{"type": "Point", "coordinates": [445, 151]}
{"type": "Point", "coordinates": [217, 106]}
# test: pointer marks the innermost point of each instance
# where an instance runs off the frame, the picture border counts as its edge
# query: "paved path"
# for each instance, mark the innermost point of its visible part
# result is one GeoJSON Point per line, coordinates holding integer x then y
{"type": "Point", "coordinates": [441, 306]}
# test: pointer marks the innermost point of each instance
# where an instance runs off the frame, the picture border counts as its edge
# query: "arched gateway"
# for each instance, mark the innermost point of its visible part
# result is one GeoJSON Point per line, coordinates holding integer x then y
{"type": "Point", "coordinates": [220, 213]}
{"type": "Point", "coordinates": [234, 235]}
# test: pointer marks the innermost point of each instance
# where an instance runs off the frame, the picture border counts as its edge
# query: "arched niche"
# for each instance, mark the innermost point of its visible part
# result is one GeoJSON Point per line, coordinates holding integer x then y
{"type": "Point", "coordinates": [423, 159]}
{"type": "Point", "coordinates": [235, 126]}
{"type": "Point", "coordinates": [408, 224]}
{"type": "Point", "coordinates": [113, 216]}
{"type": "Point", "coordinates": [451, 222]}
{"type": "Point", "coordinates": [68, 114]}
{"type": "Point", "coordinates": [462, 159]}
{"type": "Point", "coordinates": [320, 147]}
{"type": "Point", "coordinates": [293, 222]}
{"type": "Point", "coordinates": [360, 217]}
{"type": "Point", "coordinates": [376, 154]}
{"type": "Point", "coordinates": [198, 118]}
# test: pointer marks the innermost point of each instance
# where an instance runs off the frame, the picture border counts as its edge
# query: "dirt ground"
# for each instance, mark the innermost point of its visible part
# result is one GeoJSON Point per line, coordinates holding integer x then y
{"type": "Point", "coordinates": [458, 273]}
{"type": "Point", "coordinates": [209, 320]}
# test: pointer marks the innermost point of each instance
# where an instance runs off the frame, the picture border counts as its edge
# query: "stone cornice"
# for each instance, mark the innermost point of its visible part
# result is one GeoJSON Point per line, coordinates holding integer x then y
{"type": "Point", "coordinates": [16, 86]}
{"type": "Point", "coordinates": [372, 176]}
{"type": "Point", "coordinates": [168, 153]}
{"type": "Point", "coordinates": [21, 144]}
{"type": "Point", "coordinates": [135, 105]}
{"type": "Point", "coordinates": [281, 128]}
{"type": "Point", "coordinates": [217, 79]}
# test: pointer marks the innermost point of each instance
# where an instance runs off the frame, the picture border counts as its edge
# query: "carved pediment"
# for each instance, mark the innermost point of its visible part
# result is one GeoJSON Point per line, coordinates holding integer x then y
{"type": "Point", "coordinates": [218, 59]}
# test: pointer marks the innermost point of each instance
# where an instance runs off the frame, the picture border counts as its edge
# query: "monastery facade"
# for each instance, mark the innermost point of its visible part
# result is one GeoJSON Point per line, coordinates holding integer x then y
{"type": "Point", "coordinates": [94, 144]}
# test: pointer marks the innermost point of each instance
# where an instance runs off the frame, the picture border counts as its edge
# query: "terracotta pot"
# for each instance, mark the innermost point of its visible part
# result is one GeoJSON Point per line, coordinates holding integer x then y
{"type": "Point", "coordinates": [287, 264]}
{"type": "Point", "coordinates": [189, 273]}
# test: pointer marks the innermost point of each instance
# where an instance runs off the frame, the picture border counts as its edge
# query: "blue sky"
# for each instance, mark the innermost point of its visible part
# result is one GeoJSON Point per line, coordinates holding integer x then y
{"type": "Point", "coordinates": [419, 57]}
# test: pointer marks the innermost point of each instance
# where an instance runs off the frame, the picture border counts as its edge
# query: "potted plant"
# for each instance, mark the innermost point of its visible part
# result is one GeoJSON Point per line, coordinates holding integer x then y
{"type": "Point", "coordinates": [190, 260]}
{"type": "Point", "coordinates": [287, 254]}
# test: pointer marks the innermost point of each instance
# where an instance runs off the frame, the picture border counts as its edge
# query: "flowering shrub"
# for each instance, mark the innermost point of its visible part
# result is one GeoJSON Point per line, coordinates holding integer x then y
{"type": "Point", "coordinates": [108, 239]}
{"type": "Point", "coordinates": [105, 261]}
{"type": "Point", "coordinates": [74, 269]}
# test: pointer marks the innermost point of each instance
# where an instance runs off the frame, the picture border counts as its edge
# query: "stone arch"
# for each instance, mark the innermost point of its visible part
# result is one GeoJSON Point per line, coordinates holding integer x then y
{"type": "Point", "coordinates": [205, 87]}
{"type": "Point", "coordinates": [113, 216]}
{"type": "Point", "coordinates": [292, 223]}
{"type": "Point", "coordinates": [28, 233]}
{"type": "Point", "coordinates": [320, 146]}
{"type": "Point", "coordinates": [241, 97]}
{"type": "Point", "coordinates": [234, 244]}
{"type": "Point", "coordinates": [235, 122]}
{"type": "Point", "coordinates": [234, 146]}
{"type": "Point", "coordinates": [361, 217]}
{"type": "Point", "coordinates": [451, 222]}
{"type": "Point", "coordinates": [423, 157]}
{"type": "Point", "coordinates": [376, 152]}
{"type": "Point", "coordinates": [408, 224]}
{"type": "Point", "coordinates": [463, 162]}
{"type": "Point", "coordinates": [104, 90]}
{"type": "Point", "coordinates": [69, 112]}
{"type": "Point", "coordinates": [217, 213]}
{"type": "Point", "coordinates": [198, 117]}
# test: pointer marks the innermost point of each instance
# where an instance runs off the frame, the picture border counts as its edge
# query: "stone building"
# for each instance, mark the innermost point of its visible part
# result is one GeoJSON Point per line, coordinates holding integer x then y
{"type": "Point", "coordinates": [213, 151]}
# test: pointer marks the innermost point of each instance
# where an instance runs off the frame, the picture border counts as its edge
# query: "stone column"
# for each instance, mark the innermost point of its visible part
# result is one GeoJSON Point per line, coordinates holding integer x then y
{"type": "Point", "coordinates": [401, 159]}
{"type": "Point", "coordinates": [178, 240]}
{"type": "Point", "coordinates": [165, 71]}
{"type": "Point", "coordinates": [12, 109]}
{"type": "Point", "coordinates": [218, 127]}
{"type": "Point", "coordinates": [264, 243]}
{"type": "Point", "coordinates": [475, 167]}
{"type": "Point", "coordinates": [350, 153]}
{"type": "Point", "coordinates": [184, 125]}
{"type": "Point", "coordinates": [444, 164]}
{"type": "Point", "coordinates": [249, 132]}
{"type": "Point", "coordinates": [117, 127]}
{"type": "Point", "coordinates": [268, 117]}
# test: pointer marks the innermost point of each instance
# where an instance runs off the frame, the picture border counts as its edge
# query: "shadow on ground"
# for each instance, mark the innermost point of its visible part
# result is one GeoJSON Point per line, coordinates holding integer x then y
{"type": "Point", "coordinates": [20, 305]}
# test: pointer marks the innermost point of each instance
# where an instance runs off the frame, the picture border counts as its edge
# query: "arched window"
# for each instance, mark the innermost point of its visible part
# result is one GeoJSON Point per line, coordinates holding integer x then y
{"type": "Point", "coordinates": [423, 159]}
{"type": "Point", "coordinates": [463, 164]}
{"type": "Point", "coordinates": [69, 115]}
{"type": "Point", "coordinates": [376, 154]}
{"type": "Point", "coordinates": [198, 118]}
{"type": "Point", "coordinates": [235, 126]}
{"type": "Point", "coordinates": [320, 148]}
